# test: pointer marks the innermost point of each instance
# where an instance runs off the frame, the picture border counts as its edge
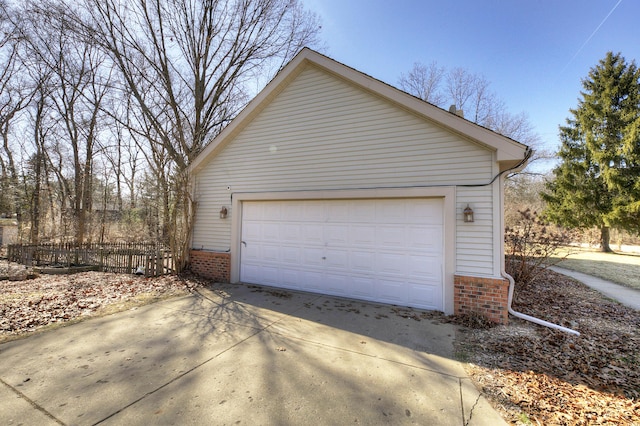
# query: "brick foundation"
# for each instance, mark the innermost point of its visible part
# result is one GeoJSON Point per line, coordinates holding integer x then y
{"type": "Point", "coordinates": [486, 296]}
{"type": "Point", "coordinates": [212, 265]}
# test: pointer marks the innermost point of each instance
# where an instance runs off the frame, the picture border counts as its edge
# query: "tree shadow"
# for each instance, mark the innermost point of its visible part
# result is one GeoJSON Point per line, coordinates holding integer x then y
{"type": "Point", "coordinates": [230, 349]}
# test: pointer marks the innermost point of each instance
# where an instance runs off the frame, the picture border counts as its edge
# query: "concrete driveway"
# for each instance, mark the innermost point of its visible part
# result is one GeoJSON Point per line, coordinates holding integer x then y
{"type": "Point", "coordinates": [238, 354]}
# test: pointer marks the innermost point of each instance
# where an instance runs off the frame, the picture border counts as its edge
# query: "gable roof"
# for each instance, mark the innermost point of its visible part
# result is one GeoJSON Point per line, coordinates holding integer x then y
{"type": "Point", "coordinates": [509, 153]}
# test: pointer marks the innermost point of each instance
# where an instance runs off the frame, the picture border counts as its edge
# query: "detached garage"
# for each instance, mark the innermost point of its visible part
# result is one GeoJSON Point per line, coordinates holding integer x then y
{"type": "Point", "coordinates": [333, 182]}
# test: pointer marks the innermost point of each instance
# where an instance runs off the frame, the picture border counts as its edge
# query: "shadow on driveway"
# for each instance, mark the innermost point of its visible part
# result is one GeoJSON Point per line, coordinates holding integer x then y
{"type": "Point", "coordinates": [237, 354]}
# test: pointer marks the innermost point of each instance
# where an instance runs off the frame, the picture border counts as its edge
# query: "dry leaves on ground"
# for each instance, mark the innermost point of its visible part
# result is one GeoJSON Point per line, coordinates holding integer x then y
{"type": "Point", "coordinates": [538, 375]}
{"type": "Point", "coordinates": [532, 374]}
{"type": "Point", "coordinates": [28, 305]}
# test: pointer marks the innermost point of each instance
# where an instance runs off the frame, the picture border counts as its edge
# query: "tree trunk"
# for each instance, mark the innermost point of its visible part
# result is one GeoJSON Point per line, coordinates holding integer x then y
{"type": "Point", "coordinates": [103, 219]}
{"type": "Point", "coordinates": [35, 199]}
{"type": "Point", "coordinates": [605, 236]}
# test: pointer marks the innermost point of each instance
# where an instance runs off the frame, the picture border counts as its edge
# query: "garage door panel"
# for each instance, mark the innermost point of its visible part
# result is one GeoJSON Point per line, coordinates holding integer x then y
{"type": "Point", "coordinates": [337, 284]}
{"type": "Point", "coordinates": [291, 232]}
{"type": "Point", "coordinates": [271, 232]}
{"type": "Point", "coordinates": [361, 212]}
{"type": "Point", "coordinates": [424, 238]}
{"type": "Point", "coordinates": [388, 212]}
{"type": "Point", "coordinates": [273, 211]}
{"type": "Point", "coordinates": [363, 287]}
{"type": "Point", "coordinates": [270, 274]}
{"type": "Point", "coordinates": [290, 255]}
{"type": "Point", "coordinates": [393, 291]}
{"type": "Point", "coordinates": [362, 260]}
{"type": "Point", "coordinates": [252, 211]}
{"type": "Point", "coordinates": [252, 253]}
{"type": "Point", "coordinates": [423, 266]}
{"type": "Point", "coordinates": [270, 253]}
{"type": "Point", "coordinates": [362, 235]}
{"type": "Point", "coordinates": [250, 273]}
{"type": "Point", "coordinates": [336, 235]}
{"type": "Point", "coordinates": [391, 263]}
{"type": "Point", "coordinates": [291, 278]}
{"type": "Point", "coordinates": [337, 259]}
{"type": "Point", "coordinates": [313, 211]}
{"type": "Point", "coordinates": [252, 230]}
{"type": "Point", "coordinates": [391, 236]}
{"type": "Point", "coordinates": [312, 233]}
{"type": "Point", "coordinates": [381, 250]}
{"type": "Point", "coordinates": [424, 211]}
{"type": "Point", "coordinates": [292, 211]}
{"type": "Point", "coordinates": [338, 212]}
{"type": "Point", "coordinates": [425, 295]}
{"type": "Point", "coordinates": [314, 281]}
{"type": "Point", "coordinates": [312, 257]}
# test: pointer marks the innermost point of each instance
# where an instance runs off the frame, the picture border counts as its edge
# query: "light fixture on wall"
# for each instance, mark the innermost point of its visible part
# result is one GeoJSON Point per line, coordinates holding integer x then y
{"type": "Point", "coordinates": [468, 214]}
{"type": "Point", "coordinates": [223, 212]}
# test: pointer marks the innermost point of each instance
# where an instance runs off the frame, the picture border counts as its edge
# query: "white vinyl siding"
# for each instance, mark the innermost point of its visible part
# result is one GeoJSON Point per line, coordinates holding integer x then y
{"type": "Point", "coordinates": [322, 133]}
{"type": "Point", "coordinates": [474, 248]}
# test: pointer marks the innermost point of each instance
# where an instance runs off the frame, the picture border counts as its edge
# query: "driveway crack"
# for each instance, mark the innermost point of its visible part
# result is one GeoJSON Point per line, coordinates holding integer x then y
{"type": "Point", "coordinates": [465, 422]}
{"type": "Point", "coordinates": [178, 377]}
{"type": "Point", "coordinates": [32, 403]}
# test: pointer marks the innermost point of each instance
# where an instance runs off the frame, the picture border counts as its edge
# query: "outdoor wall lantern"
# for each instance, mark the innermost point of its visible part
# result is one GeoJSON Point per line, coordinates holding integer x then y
{"type": "Point", "coordinates": [223, 212]}
{"type": "Point", "coordinates": [468, 214]}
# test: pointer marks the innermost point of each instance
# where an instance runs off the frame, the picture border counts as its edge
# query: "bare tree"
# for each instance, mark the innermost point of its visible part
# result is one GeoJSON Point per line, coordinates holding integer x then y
{"type": "Point", "coordinates": [15, 95]}
{"type": "Point", "coordinates": [79, 81]}
{"type": "Point", "coordinates": [185, 62]}
{"type": "Point", "coordinates": [470, 93]}
{"type": "Point", "coordinates": [461, 86]}
{"type": "Point", "coordinates": [424, 81]}
{"type": "Point", "coordinates": [185, 66]}
{"type": "Point", "coordinates": [39, 164]}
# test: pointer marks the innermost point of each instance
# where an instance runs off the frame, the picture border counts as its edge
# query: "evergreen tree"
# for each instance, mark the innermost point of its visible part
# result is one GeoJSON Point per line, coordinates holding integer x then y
{"type": "Point", "coordinates": [597, 182]}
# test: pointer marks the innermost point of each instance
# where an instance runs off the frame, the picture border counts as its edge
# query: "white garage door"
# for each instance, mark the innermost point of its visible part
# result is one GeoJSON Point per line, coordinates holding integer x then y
{"type": "Point", "coordinates": [388, 250]}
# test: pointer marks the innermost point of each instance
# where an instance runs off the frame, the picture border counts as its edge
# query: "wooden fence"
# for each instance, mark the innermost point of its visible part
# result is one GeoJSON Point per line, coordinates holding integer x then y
{"type": "Point", "coordinates": [151, 259]}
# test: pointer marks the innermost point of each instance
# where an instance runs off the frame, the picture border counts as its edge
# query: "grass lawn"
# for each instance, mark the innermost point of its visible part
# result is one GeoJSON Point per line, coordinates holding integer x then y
{"type": "Point", "coordinates": [621, 268]}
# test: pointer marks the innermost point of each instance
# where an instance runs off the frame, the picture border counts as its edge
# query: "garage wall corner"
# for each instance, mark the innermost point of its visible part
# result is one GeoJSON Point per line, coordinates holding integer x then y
{"type": "Point", "coordinates": [482, 295]}
{"type": "Point", "coordinates": [212, 265]}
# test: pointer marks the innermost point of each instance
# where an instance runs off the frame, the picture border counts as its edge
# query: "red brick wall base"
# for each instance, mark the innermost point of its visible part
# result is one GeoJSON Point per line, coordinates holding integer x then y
{"type": "Point", "coordinates": [485, 296]}
{"type": "Point", "coordinates": [212, 265]}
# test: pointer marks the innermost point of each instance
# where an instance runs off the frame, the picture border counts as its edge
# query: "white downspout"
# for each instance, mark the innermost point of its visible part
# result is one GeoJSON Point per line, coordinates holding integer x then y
{"type": "Point", "coordinates": [528, 317]}
{"type": "Point", "coordinates": [512, 282]}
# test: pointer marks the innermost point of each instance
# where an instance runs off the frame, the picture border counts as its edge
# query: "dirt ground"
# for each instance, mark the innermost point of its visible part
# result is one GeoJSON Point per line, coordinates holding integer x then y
{"type": "Point", "coordinates": [531, 374]}
{"type": "Point", "coordinates": [30, 303]}
{"type": "Point", "coordinates": [537, 375]}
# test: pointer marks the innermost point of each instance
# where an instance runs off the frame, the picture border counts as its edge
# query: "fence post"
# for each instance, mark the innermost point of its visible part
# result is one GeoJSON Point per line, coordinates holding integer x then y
{"type": "Point", "coordinates": [148, 265]}
{"type": "Point", "coordinates": [28, 257]}
{"type": "Point", "coordinates": [159, 262]}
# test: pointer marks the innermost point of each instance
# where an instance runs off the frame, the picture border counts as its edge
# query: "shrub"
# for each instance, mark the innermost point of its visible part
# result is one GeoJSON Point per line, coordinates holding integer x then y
{"type": "Point", "coordinates": [532, 245]}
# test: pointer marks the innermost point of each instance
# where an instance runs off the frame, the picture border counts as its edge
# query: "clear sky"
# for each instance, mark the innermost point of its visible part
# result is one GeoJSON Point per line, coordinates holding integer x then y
{"type": "Point", "coordinates": [534, 52]}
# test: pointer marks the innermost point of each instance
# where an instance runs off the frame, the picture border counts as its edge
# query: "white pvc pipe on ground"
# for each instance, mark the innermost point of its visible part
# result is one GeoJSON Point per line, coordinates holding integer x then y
{"type": "Point", "coordinates": [529, 317]}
